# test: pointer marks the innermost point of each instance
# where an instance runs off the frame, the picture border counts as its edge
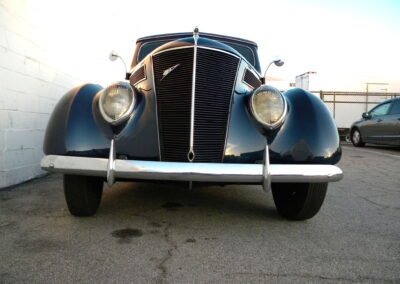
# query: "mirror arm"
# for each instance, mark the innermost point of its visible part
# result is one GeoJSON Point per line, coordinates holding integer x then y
{"type": "Point", "coordinates": [266, 70]}
{"type": "Point", "coordinates": [113, 56]}
{"type": "Point", "coordinates": [278, 62]}
{"type": "Point", "coordinates": [123, 61]}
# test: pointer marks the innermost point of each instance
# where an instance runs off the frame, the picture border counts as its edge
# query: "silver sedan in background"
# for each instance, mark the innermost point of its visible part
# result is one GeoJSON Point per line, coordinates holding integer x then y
{"type": "Point", "coordinates": [380, 125]}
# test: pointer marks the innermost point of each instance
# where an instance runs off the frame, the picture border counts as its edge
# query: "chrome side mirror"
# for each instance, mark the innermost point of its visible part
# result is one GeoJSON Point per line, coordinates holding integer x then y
{"type": "Point", "coordinates": [277, 61]}
{"type": "Point", "coordinates": [114, 56]}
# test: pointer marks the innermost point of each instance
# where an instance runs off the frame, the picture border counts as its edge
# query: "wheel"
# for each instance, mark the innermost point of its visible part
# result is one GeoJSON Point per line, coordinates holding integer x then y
{"type": "Point", "coordinates": [299, 201]}
{"type": "Point", "coordinates": [83, 194]}
{"type": "Point", "coordinates": [356, 138]}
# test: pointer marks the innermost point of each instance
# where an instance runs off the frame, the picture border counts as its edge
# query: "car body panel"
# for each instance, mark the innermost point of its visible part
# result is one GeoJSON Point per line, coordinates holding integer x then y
{"type": "Point", "coordinates": [381, 129]}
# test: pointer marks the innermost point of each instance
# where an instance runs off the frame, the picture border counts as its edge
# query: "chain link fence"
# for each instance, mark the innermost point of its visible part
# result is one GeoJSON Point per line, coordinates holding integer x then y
{"type": "Point", "coordinates": [347, 107]}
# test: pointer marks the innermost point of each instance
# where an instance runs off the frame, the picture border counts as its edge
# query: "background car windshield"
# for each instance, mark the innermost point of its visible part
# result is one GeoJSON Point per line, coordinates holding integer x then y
{"type": "Point", "coordinates": [381, 110]}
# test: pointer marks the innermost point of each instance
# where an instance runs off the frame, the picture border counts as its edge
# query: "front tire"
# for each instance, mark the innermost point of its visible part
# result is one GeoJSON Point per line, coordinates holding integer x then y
{"type": "Point", "coordinates": [356, 138]}
{"type": "Point", "coordinates": [299, 201]}
{"type": "Point", "coordinates": [83, 194]}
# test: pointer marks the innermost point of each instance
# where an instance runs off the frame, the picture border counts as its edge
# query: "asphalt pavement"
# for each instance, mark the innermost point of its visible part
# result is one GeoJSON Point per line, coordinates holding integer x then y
{"type": "Point", "coordinates": [165, 233]}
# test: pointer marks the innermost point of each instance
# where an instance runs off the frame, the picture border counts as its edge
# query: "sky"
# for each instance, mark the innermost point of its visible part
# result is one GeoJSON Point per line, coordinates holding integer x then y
{"type": "Point", "coordinates": [348, 43]}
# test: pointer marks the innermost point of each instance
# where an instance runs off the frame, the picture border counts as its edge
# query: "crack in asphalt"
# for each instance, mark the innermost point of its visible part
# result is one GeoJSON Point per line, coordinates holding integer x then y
{"type": "Point", "coordinates": [172, 247]}
{"type": "Point", "coordinates": [381, 206]}
{"type": "Point", "coordinates": [313, 276]}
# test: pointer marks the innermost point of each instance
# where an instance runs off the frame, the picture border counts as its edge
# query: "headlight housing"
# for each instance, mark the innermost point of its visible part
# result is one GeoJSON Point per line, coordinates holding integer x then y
{"type": "Point", "coordinates": [116, 102]}
{"type": "Point", "coordinates": [268, 106]}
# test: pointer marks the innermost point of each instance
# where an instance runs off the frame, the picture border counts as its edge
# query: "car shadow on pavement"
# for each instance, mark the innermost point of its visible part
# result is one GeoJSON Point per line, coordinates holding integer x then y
{"type": "Point", "coordinates": [248, 201]}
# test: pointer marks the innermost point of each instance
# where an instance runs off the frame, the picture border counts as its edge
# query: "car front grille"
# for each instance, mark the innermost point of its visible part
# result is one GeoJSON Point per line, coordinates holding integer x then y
{"type": "Point", "coordinates": [215, 78]}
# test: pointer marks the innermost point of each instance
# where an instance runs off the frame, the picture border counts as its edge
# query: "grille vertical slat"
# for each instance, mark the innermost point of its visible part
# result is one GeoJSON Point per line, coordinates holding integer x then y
{"type": "Point", "coordinates": [174, 102]}
{"type": "Point", "coordinates": [215, 79]}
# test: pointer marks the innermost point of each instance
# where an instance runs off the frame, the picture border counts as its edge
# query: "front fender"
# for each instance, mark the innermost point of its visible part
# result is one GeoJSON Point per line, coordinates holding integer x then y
{"type": "Point", "coordinates": [76, 127]}
{"type": "Point", "coordinates": [72, 129]}
{"type": "Point", "coordinates": [309, 134]}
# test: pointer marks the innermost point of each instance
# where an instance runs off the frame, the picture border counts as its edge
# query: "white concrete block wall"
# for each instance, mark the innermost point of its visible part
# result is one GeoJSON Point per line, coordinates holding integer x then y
{"type": "Point", "coordinates": [30, 86]}
{"type": "Point", "coordinates": [46, 48]}
{"type": "Point", "coordinates": [28, 93]}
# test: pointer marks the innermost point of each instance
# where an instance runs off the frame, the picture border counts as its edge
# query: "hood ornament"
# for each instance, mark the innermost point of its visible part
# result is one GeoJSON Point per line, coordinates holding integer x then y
{"type": "Point", "coordinates": [196, 35]}
{"type": "Point", "coordinates": [169, 70]}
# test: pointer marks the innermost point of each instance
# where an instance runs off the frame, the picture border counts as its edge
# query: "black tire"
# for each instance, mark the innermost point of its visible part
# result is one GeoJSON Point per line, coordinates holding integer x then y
{"type": "Point", "coordinates": [356, 138]}
{"type": "Point", "coordinates": [299, 201]}
{"type": "Point", "coordinates": [83, 194]}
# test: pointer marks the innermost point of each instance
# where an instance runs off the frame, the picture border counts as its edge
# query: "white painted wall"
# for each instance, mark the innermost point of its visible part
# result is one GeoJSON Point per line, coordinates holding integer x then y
{"type": "Point", "coordinates": [30, 85]}
{"type": "Point", "coordinates": [34, 74]}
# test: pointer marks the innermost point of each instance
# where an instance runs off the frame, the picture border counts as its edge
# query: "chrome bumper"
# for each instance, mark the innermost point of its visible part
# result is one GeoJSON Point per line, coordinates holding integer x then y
{"type": "Point", "coordinates": [112, 169]}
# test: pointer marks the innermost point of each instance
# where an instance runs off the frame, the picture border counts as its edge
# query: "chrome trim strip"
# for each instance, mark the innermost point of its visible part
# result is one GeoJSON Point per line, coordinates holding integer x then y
{"type": "Point", "coordinates": [205, 172]}
{"type": "Point", "coordinates": [156, 104]}
{"type": "Point", "coordinates": [111, 164]}
{"type": "Point", "coordinates": [191, 154]}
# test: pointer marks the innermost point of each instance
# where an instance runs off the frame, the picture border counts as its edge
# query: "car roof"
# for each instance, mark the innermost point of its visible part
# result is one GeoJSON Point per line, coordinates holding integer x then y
{"type": "Point", "coordinates": [173, 36]}
{"type": "Point", "coordinates": [390, 100]}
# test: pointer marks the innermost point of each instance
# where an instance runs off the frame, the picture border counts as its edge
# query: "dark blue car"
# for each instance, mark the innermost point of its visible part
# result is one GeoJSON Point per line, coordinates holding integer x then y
{"type": "Point", "coordinates": [194, 109]}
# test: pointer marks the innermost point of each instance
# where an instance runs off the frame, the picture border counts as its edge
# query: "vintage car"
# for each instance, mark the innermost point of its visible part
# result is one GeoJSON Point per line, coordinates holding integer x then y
{"type": "Point", "coordinates": [195, 109]}
{"type": "Point", "coordinates": [380, 125]}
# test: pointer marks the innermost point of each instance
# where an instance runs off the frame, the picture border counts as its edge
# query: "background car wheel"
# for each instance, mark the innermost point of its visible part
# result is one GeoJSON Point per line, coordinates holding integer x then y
{"type": "Point", "coordinates": [356, 138]}
{"type": "Point", "coordinates": [83, 194]}
{"type": "Point", "coordinates": [299, 201]}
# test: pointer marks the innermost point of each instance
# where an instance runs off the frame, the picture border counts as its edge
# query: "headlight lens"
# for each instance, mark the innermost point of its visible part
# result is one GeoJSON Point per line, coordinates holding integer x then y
{"type": "Point", "coordinates": [268, 106]}
{"type": "Point", "coordinates": [116, 102]}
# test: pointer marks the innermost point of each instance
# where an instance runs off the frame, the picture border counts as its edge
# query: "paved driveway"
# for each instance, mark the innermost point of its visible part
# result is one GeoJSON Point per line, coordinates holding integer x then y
{"type": "Point", "coordinates": [167, 234]}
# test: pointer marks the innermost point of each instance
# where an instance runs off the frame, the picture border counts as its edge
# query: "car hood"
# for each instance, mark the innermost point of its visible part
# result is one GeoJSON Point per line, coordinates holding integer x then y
{"type": "Point", "coordinates": [203, 42]}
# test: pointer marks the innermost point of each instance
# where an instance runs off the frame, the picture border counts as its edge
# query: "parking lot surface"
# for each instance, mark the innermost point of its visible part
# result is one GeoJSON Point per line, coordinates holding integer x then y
{"type": "Point", "coordinates": [165, 233]}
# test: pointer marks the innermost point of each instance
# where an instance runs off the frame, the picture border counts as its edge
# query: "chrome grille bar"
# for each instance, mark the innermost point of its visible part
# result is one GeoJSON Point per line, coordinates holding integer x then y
{"type": "Point", "coordinates": [191, 153]}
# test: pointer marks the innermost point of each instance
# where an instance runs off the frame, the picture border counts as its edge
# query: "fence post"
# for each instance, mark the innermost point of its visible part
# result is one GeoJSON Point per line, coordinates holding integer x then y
{"type": "Point", "coordinates": [334, 105]}
{"type": "Point", "coordinates": [321, 95]}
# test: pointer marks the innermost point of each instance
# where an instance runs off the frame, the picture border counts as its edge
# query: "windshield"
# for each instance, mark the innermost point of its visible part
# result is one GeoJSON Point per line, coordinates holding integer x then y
{"type": "Point", "coordinates": [244, 50]}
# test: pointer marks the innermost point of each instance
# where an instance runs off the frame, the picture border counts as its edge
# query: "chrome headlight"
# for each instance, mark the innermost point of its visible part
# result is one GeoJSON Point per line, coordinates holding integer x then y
{"type": "Point", "coordinates": [116, 102]}
{"type": "Point", "coordinates": [268, 106]}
